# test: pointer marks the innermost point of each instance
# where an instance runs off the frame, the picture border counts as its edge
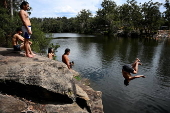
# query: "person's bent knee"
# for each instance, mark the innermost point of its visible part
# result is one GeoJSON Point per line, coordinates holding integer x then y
{"type": "Point", "coordinates": [135, 72]}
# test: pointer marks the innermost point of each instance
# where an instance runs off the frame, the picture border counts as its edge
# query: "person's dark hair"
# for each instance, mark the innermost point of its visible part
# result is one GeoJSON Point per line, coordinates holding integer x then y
{"type": "Point", "coordinates": [67, 50]}
{"type": "Point", "coordinates": [50, 50]}
{"type": "Point", "coordinates": [23, 3]}
{"type": "Point", "coordinates": [18, 29]}
{"type": "Point", "coordinates": [126, 82]}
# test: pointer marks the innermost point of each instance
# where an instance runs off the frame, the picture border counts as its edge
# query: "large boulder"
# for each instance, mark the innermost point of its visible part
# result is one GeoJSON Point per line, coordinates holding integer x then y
{"type": "Point", "coordinates": [42, 85]}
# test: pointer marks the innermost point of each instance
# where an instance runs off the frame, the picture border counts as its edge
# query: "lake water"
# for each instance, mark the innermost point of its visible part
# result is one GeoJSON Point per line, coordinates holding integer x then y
{"type": "Point", "coordinates": [100, 59]}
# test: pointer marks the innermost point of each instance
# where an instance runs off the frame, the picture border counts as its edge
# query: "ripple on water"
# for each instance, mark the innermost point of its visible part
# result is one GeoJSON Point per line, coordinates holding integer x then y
{"type": "Point", "coordinates": [101, 59]}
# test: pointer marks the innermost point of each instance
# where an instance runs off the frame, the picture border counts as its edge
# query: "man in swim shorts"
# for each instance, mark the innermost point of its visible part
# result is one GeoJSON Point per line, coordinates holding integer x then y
{"type": "Point", "coordinates": [128, 69]}
{"type": "Point", "coordinates": [66, 60]}
{"type": "Point", "coordinates": [26, 28]}
{"type": "Point", "coordinates": [16, 38]}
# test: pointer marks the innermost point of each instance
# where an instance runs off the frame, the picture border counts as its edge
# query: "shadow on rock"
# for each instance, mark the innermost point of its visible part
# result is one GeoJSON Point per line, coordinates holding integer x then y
{"type": "Point", "coordinates": [33, 93]}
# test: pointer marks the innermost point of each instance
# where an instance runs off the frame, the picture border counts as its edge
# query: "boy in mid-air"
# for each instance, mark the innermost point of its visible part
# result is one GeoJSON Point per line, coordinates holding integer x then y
{"type": "Point", "coordinates": [128, 69]}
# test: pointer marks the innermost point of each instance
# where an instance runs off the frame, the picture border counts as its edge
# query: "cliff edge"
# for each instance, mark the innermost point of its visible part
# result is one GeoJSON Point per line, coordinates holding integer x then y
{"type": "Point", "coordinates": [41, 85]}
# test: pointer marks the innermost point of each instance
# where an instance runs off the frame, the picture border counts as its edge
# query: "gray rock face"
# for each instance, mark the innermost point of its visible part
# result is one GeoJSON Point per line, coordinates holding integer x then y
{"type": "Point", "coordinates": [41, 85]}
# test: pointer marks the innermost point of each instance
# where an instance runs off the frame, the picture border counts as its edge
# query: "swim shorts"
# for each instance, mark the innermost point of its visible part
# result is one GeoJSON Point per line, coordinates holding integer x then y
{"type": "Point", "coordinates": [128, 68]}
{"type": "Point", "coordinates": [25, 32]}
{"type": "Point", "coordinates": [17, 48]}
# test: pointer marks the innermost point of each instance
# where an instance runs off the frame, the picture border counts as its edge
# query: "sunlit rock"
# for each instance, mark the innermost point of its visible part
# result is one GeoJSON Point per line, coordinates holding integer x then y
{"type": "Point", "coordinates": [42, 85]}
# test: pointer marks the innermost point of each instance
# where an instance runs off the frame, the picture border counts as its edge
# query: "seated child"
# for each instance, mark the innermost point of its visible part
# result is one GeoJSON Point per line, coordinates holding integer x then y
{"type": "Point", "coordinates": [50, 53]}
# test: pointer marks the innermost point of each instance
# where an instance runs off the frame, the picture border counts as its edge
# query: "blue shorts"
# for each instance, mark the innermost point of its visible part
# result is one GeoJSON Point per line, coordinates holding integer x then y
{"type": "Point", "coordinates": [25, 32]}
{"type": "Point", "coordinates": [17, 48]}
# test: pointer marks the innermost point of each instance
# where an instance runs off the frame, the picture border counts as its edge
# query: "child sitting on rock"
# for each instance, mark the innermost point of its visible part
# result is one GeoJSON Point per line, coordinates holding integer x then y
{"type": "Point", "coordinates": [50, 53]}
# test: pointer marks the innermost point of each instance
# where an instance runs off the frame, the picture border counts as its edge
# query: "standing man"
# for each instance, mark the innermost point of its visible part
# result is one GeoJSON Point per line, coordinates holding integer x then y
{"type": "Point", "coordinates": [26, 28]}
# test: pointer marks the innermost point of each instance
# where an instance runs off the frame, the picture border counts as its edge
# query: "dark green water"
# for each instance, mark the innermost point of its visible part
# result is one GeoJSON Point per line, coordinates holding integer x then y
{"type": "Point", "coordinates": [101, 59]}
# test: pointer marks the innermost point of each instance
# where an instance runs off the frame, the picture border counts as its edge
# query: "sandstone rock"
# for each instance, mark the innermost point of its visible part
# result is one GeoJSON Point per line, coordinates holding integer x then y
{"type": "Point", "coordinates": [10, 104]}
{"type": "Point", "coordinates": [82, 94]}
{"type": "Point", "coordinates": [41, 85]}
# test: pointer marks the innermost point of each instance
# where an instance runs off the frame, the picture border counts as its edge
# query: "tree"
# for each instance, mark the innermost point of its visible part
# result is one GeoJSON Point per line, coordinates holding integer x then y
{"type": "Point", "coordinates": [125, 16]}
{"type": "Point", "coordinates": [8, 27]}
{"type": "Point", "coordinates": [83, 20]}
{"type": "Point", "coordinates": [108, 16]}
{"type": "Point", "coordinates": [72, 25]}
{"type": "Point", "coordinates": [151, 16]}
{"type": "Point", "coordinates": [167, 13]}
{"type": "Point", "coordinates": [135, 15]}
{"type": "Point", "coordinates": [3, 3]}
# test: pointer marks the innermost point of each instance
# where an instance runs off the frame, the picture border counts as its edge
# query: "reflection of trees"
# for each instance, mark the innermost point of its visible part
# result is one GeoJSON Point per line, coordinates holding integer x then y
{"type": "Point", "coordinates": [85, 43]}
{"type": "Point", "coordinates": [167, 42]}
{"type": "Point", "coordinates": [109, 48]}
{"type": "Point", "coordinates": [147, 52]}
{"type": "Point", "coordinates": [163, 68]}
{"type": "Point", "coordinates": [152, 53]}
{"type": "Point", "coordinates": [126, 48]}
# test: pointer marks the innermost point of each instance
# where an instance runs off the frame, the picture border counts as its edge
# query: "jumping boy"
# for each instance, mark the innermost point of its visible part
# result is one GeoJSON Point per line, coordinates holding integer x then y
{"type": "Point", "coordinates": [127, 69]}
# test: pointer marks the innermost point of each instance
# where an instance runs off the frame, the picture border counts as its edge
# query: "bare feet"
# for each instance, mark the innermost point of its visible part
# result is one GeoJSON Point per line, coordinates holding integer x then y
{"type": "Point", "coordinates": [33, 54]}
{"type": "Point", "coordinates": [137, 59]}
{"type": "Point", "coordinates": [139, 63]}
{"type": "Point", "coordinates": [29, 55]}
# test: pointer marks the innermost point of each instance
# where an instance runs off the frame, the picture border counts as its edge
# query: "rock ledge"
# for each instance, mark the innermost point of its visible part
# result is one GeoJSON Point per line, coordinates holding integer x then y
{"type": "Point", "coordinates": [41, 85]}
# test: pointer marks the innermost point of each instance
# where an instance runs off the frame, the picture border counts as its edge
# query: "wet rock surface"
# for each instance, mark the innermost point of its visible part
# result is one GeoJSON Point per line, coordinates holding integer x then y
{"type": "Point", "coordinates": [41, 85]}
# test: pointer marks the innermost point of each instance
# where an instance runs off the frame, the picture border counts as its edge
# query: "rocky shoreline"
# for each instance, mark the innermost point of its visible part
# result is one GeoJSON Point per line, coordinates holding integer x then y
{"type": "Point", "coordinates": [41, 85]}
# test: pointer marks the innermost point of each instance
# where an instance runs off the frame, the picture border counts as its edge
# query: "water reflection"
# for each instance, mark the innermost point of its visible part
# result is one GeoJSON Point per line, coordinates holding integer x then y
{"type": "Point", "coordinates": [101, 59]}
{"type": "Point", "coordinates": [59, 35]}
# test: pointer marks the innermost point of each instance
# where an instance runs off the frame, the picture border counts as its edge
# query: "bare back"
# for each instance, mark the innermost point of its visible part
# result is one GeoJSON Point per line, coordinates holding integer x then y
{"type": "Point", "coordinates": [16, 38]}
{"type": "Point", "coordinates": [126, 75]}
{"type": "Point", "coordinates": [65, 59]}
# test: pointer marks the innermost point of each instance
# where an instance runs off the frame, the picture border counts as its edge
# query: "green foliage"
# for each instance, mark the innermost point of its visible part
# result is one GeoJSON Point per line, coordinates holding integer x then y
{"type": "Point", "coordinates": [78, 78]}
{"type": "Point", "coordinates": [39, 38]}
{"type": "Point", "coordinates": [83, 21]}
{"type": "Point", "coordinates": [9, 23]}
{"type": "Point", "coordinates": [129, 17]}
{"type": "Point", "coordinates": [107, 15]}
{"type": "Point", "coordinates": [54, 47]}
{"type": "Point", "coordinates": [53, 25]}
{"type": "Point", "coordinates": [151, 15]}
{"type": "Point", "coordinates": [7, 26]}
{"type": "Point", "coordinates": [167, 13]}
